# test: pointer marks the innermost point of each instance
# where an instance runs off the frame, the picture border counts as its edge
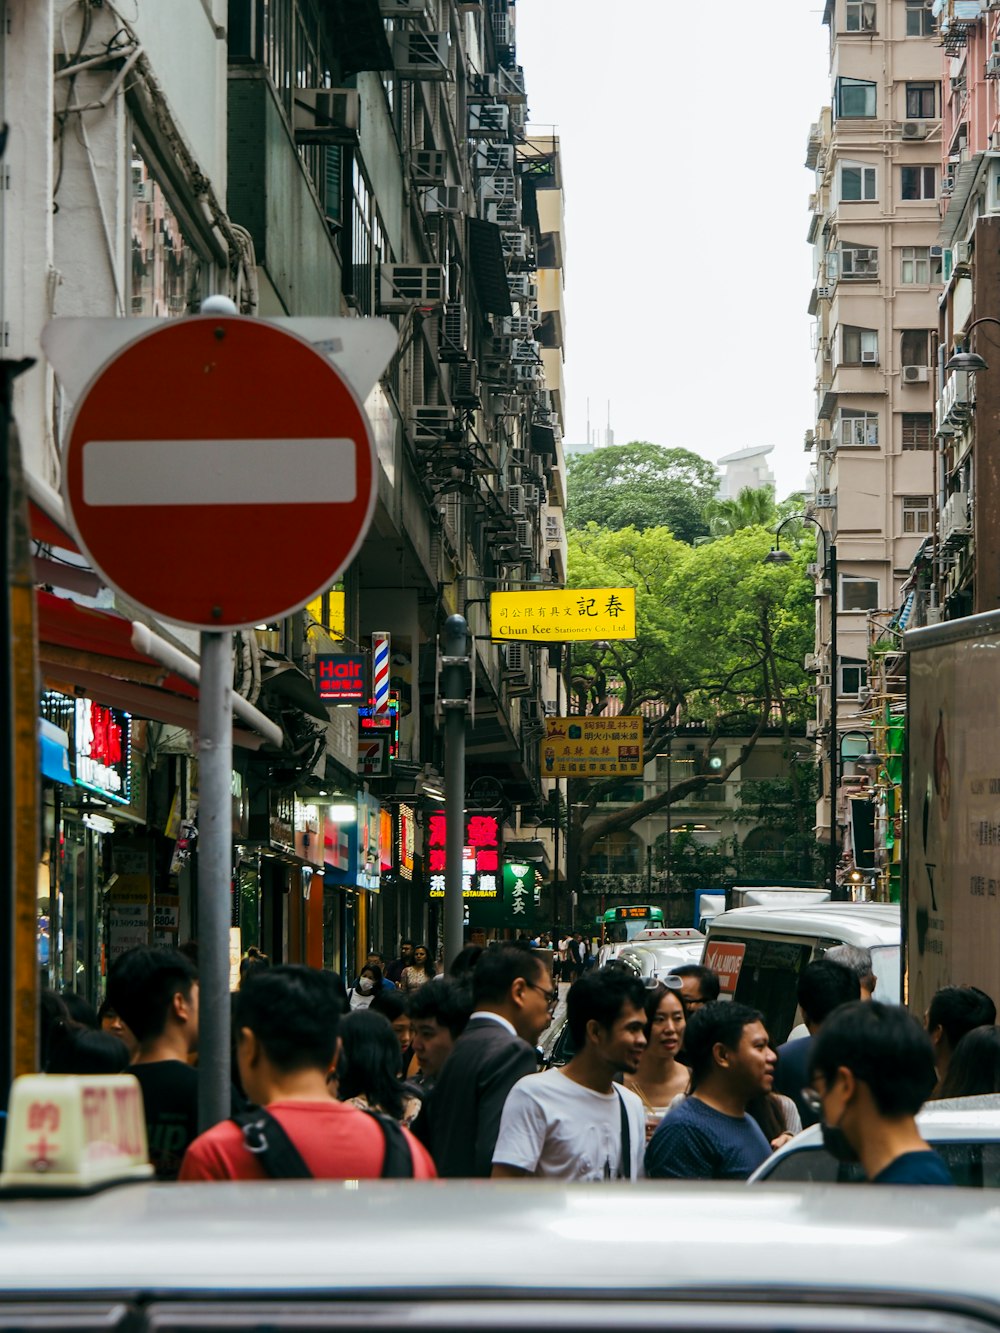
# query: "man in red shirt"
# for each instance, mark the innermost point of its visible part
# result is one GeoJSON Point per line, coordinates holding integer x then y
{"type": "Point", "coordinates": [286, 1023]}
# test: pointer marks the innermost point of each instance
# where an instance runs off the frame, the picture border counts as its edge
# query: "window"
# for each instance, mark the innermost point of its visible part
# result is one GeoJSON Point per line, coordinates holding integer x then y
{"type": "Point", "coordinates": [914, 347]}
{"type": "Point", "coordinates": [916, 514]}
{"type": "Point", "coordinates": [858, 594]}
{"type": "Point", "coordinates": [853, 676]}
{"type": "Point", "coordinates": [921, 101]}
{"type": "Point", "coordinates": [167, 272]}
{"type": "Point", "coordinates": [858, 262]}
{"type": "Point", "coordinates": [858, 430]}
{"type": "Point", "coordinates": [917, 430]}
{"type": "Point", "coordinates": [915, 265]}
{"type": "Point", "coordinates": [918, 182]}
{"type": "Point", "coordinates": [859, 346]}
{"type": "Point", "coordinates": [860, 15]}
{"type": "Point", "coordinates": [857, 182]}
{"type": "Point", "coordinates": [856, 99]}
{"type": "Point", "coordinates": [919, 19]}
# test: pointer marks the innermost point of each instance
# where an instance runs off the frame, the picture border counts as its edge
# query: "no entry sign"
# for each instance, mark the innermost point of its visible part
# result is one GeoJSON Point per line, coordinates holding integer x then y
{"type": "Point", "coordinates": [220, 472]}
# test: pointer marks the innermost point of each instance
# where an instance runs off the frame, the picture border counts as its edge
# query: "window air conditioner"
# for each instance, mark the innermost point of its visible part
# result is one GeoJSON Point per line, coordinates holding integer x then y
{"type": "Point", "coordinates": [428, 166]}
{"type": "Point", "coordinates": [421, 55]}
{"type": "Point", "coordinates": [516, 655]}
{"type": "Point", "coordinates": [962, 252]}
{"type": "Point", "coordinates": [915, 374]}
{"type": "Point", "coordinates": [915, 129]}
{"type": "Point", "coordinates": [326, 115]}
{"type": "Point", "coordinates": [403, 286]}
{"type": "Point", "coordinates": [812, 729]}
{"type": "Point", "coordinates": [993, 67]}
{"type": "Point", "coordinates": [452, 342]}
{"type": "Point", "coordinates": [443, 199]}
{"type": "Point", "coordinates": [495, 158]}
{"type": "Point", "coordinates": [813, 664]}
{"type": "Point", "coordinates": [463, 384]}
{"type": "Point", "coordinates": [435, 425]}
{"type": "Point", "coordinates": [402, 9]}
{"type": "Point", "coordinates": [516, 326]}
{"type": "Point", "coordinates": [869, 357]}
{"type": "Point", "coordinates": [551, 708]}
{"type": "Point", "coordinates": [824, 293]}
{"type": "Point", "coordinates": [489, 120]}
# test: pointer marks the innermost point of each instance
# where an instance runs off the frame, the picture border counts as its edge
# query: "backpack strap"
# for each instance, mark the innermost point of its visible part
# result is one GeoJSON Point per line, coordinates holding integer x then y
{"type": "Point", "coordinates": [265, 1137]}
{"type": "Point", "coordinates": [397, 1164]}
{"type": "Point", "coordinates": [626, 1136]}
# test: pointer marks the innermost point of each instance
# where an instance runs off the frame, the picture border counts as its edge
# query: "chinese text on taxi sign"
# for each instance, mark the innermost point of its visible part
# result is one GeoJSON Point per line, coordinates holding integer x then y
{"type": "Point", "coordinates": [563, 615]}
{"type": "Point", "coordinates": [592, 747]}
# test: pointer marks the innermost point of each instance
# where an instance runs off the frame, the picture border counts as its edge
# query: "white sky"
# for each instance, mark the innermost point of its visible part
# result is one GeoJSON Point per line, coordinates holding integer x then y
{"type": "Point", "coordinates": [683, 131]}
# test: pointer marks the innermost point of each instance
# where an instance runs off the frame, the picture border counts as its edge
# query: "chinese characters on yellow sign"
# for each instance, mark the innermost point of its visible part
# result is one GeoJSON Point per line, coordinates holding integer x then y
{"type": "Point", "coordinates": [592, 747]}
{"type": "Point", "coordinates": [563, 615]}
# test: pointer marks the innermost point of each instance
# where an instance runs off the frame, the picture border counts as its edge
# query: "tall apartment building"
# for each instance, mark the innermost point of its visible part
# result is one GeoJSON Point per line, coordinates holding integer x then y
{"type": "Point", "coordinates": [876, 151]}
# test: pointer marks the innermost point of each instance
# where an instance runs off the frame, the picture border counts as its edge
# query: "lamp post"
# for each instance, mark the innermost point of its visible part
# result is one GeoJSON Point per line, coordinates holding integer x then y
{"type": "Point", "coordinates": [776, 556]}
{"type": "Point", "coordinates": [962, 358]}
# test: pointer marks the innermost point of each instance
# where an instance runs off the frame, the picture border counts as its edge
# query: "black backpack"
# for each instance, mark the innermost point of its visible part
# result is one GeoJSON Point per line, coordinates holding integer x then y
{"type": "Point", "coordinates": [265, 1137]}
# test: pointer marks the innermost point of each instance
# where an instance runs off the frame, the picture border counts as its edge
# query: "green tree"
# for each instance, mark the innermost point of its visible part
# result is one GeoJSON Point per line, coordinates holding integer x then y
{"type": "Point", "coordinates": [753, 507]}
{"type": "Point", "coordinates": [721, 638]}
{"type": "Point", "coordinates": [782, 844]}
{"type": "Point", "coordinates": [641, 485]}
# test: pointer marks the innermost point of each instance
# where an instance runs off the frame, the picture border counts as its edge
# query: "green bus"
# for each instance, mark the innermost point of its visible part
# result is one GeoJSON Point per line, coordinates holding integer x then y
{"type": "Point", "coordinates": [619, 924]}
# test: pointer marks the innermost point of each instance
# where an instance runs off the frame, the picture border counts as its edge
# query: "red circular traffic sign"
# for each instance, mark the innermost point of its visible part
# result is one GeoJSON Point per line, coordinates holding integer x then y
{"type": "Point", "coordinates": [220, 472]}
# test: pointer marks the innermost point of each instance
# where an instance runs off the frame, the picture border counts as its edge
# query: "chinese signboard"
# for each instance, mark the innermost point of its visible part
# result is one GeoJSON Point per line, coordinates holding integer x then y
{"type": "Point", "coordinates": [563, 615]}
{"type": "Point", "coordinates": [101, 750]}
{"type": "Point", "coordinates": [519, 894]}
{"type": "Point", "coordinates": [378, 736]}
{"type": "Point", "coordinates": [592, 747]}
{"type": "Point", "coordinates": [340, 678]}
{"type": "Point", "coordinates": [480, 856]}
{"type": "Point", "coordinates": [407, 840]}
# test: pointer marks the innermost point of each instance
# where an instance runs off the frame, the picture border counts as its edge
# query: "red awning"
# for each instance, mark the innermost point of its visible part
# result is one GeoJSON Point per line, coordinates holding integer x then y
{"type": "Point", "coordinates": [47, 530]}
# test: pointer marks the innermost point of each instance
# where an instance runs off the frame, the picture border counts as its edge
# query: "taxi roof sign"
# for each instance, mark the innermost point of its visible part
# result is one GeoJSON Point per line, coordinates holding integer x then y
{"type": "Point", "coordinates": [667, 933]}
{"type": "Point", "coordinates": [74, 1132]}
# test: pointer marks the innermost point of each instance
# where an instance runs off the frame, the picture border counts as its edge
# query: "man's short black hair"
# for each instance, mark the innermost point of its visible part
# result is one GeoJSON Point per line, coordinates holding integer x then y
{"type": "Point", "coordinates": [293, 1011]}
{"type": "Point", "coordinates": [884, 1047]}
{"type": "Point", "coordinates": [601, 995]}
{"type": "Point", "coordinates": [498, 967]}
{"type": "Point", "coordinates": [142, 984]}
{"type": "Point", "coordinates": [959, 1009]}
{"type": "Point", "coordinates": [390, 1002]}
{"type": "Point", "coordinates": [447, 1002]}
{"type": "Point", "coordinates": [823, 986]}
{"type": "Point", "coordinates": [707, 979]}
{"type": "Point", "coordinates": [722, 1021]}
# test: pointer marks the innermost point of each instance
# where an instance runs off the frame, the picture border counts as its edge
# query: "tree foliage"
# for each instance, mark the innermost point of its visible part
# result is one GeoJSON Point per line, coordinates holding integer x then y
{"type": "Point", "coordinates": [641, 485]}
{"type": "Point", "coordinates": [753, 507]}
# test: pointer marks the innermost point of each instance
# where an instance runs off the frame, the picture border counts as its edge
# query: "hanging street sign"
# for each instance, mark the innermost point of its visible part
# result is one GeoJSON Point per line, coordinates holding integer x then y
{"type": "Point", "coordinates": [592, 747]}
{"type": "Point", "coordinates": [563, 615]}
{"type": "Point", "coordinates": [340, 678]}
{"type": "Point", "coordinates": [202, 460]}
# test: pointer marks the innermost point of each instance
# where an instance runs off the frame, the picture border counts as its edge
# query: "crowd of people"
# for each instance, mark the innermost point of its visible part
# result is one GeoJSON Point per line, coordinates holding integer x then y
{"type": "Point", "coordinates": [415, 1074]}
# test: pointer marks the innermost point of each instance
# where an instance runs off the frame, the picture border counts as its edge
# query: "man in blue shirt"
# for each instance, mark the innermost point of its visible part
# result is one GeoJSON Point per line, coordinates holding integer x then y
{"type": "Point", "coordinates": [872, 1068]}
{"type": "Point", "coordinates": [709, 1135]}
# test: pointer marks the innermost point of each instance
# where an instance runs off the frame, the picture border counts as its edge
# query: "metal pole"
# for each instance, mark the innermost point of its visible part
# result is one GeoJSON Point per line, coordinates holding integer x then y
{"type": "Point", "coordinates": [834, 738]}
{"type": "Point", "coordinates": [454, 662]}
{"type": "Point", "coordinates": [670, 745]}
{"type": "Point", "coordinates": [215, 854]}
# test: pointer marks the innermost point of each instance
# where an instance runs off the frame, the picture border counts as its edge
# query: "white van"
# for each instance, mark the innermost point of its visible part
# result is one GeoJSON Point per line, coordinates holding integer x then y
{"type": "Point", "coordinates": [759, 952]}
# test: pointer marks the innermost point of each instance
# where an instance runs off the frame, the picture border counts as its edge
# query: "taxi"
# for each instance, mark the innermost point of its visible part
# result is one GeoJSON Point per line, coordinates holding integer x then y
{"type": "Point", "coordinates": [143, 1257]}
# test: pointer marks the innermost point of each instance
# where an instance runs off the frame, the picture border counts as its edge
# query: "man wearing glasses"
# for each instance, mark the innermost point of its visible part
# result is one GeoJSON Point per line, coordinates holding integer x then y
{"type": "Point", "coordinates": [699, 986]}
{"type": "Point", "coordinates": [577, 1123]}
{"type": "Point", "coordinates": [513, 997]}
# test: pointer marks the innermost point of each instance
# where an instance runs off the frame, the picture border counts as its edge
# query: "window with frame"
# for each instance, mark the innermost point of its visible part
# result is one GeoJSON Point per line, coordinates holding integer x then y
{"type": "Point", "coordinates": [921, 101]}
{"type": "Point", "coordinates": [859, 347]}
{"type": "Point", "coordinates": [167, 272]}
{"type": "Point", "coordinates": [919, 19]}
{"type": "Point", "coordinates": [365, 242]}
{"type": "Point", "coordinates": [918, 430]}
{"type": "Point", "coordinates": [856, 99]}
{"type": "Point", "coordinates": [916, 515]}
{"type": "Point", "coordinates": [857, 183]}
{"type": "Point", "coordinates": [914, 347]}
{"type": "Point", "coordinates": [858, 430]}
{"type": "Point", "coordinates": [918, 183]}
{"type": "Point", "coordinates": [852, 676]}
{"type": "Point", "coordinates": [858, 262]}
{"type": "Point", "coordinates": [858, 593]}
{"type": "Point", "coordinates": [915, 265]}
{"type": "Point", "coordinates": [859, 15]}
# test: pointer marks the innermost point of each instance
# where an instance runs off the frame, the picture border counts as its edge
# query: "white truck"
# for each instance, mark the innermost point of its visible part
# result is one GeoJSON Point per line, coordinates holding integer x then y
{"type": "Point", "coordinates": [951, 881]}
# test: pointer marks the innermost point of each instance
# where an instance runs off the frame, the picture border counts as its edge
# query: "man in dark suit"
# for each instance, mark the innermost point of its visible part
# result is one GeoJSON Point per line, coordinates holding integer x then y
{"type": "Point", "coordinates": [513, 999]}
{"type": "Point", "coordinates": [823, 986]}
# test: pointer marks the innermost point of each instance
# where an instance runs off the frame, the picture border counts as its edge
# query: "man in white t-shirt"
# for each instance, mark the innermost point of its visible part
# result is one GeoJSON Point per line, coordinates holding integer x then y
{"type": "Point", "coordinates": [577, 1123]}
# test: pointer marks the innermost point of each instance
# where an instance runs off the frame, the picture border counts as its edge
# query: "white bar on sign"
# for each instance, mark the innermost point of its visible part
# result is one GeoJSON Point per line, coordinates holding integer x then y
{"type": "Point", "coordinates": [118, 473]}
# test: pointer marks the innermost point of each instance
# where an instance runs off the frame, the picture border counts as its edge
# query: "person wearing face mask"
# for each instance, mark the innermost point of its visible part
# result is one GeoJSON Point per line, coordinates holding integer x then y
{"type": "Point", "coordinates": [367, 986]}
{"type": "Point", "coordinates": [871, 1069]}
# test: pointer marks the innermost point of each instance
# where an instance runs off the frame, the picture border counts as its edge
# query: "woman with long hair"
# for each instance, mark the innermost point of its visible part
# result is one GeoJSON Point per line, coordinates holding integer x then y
{"type": "Point", "coordinates": [369, 1067]}
{"type": "Point", "coordinates": [660, 1077]}
{"type": "Point", "coordinates": [368, 985]}
{"type": "Point", "coordinates": [422, 969]}
{"type": "Point", "coordinates": [974, 1070]}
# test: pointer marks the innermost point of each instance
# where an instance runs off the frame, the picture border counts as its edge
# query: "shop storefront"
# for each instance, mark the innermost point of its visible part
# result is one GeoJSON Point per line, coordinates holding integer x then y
{"type": "Point", "coordinates": [352, 881]}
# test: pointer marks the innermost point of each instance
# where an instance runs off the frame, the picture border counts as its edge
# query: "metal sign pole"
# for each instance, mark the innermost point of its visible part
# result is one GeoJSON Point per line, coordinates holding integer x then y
{"type": "Point", "coordinates": [215, 842]}
{"type": "Point", "coordinates": [454, 661]}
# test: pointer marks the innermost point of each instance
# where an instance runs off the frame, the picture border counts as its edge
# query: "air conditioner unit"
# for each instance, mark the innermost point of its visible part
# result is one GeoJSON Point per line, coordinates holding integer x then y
{"type": "Point", "coordinates": [813, 664]}
{"type": "Point", "coordinates": [810, 440]}
{"type": "Point", "coordinates": [515, 245]}
{"type": "Point", "coordinates": [824, 293]}
{"type": "Point", "coordinates": [531, 710]}
{"type": "Point", "coordinates": [497, 187]}
{"type": "Point", "coordinates": [444, 199]}
{"type": "Point", "coordinates": [515, 499]}
{"type": "Point", "coordinates": [519, 284]}
{"type": "Point", "coordinates": [403, 286]}
{"type": "Point", "coordinates": [525, 349]}
{"type": "Point", "coordinates": [429, 166]}
{"type": "Point", "coordinates": [516, 326]}
{"type": "Point", "coordinates": [463, 384]}
{"type": "Point", "coordinates": [962, 253]}
{"type": "Point", "coordinates": [824, 500]}
{"type": "Point", "coordinates": [993, 67]}
{"type": "Point", "coordinates": [421, 55]}
{"type": "Point", "coordinates": [916, 129]}
{"type": "Point", "coordinates": [516, 658]}
{"type": "Point", "coordinates": [505, 213]}
{"type": "Point", "coordinates": [489, 120]}
{"type": "Point", "coordinates": [494, 159]}
{"type": "Point", "coordinates": [551, 708]}
{"type": "Point", "coordinates": [435, 425]}
{"type": "Point", "coordinates": [523, 530]}
{"type": "Point", "coordinates": [326, 115]}
{"type": "Point", "coordinates": [453, 339]}
{"type": "Point", "coordinates": [956, 521]}
{"type": "Point", "coordinates": [812, 729]}
{"type": "Point", "coordinates": [915, 374]}
{"type": "Point", "coordinates": [813, 571]}
{"type": "Point", "coordinates": [402, 9]}
{"type": "Point", "coordinates": [510, 86]}
{"type": "Point", "coordinates": [499, 350]}
{"type": "Point", "coordinates": [869, 357]}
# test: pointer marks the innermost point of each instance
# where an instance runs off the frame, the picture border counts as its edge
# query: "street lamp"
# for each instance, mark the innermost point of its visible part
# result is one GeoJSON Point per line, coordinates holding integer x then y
{"type": "Point", "coordinates": [776, 556]}
{"type": "Point", "coordinates": [867, 760]}
{"type": "Point", "coordinates": [963, 359]}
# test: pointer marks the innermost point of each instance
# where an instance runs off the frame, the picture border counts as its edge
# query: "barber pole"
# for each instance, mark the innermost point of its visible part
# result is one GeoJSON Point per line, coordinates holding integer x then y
{"type": "Point", "coordinates": [380, 672]}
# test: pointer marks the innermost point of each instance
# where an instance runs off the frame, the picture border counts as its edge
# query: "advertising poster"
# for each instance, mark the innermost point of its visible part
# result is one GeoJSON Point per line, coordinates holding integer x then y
{"type": "Point", "coordinates": [592, 747]}
{"type": "Point", "coordinates": [562, 615]}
